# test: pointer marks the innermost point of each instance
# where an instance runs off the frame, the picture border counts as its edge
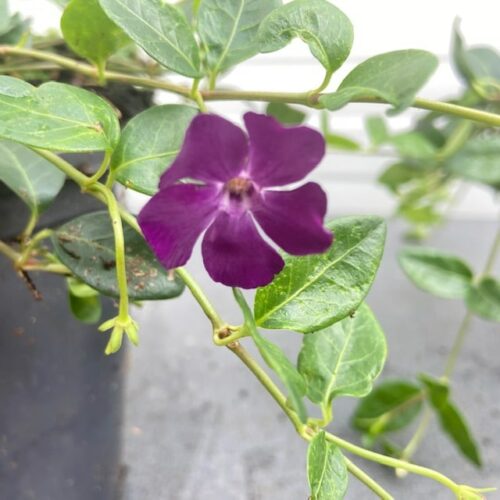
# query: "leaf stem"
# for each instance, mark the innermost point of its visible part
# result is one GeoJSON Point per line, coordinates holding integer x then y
{"type": "Point", "coordinates": [121, 269]}
{"type": "Point", "coordinates": [101, 170]}
{"type": "Point", "coordinates": [304, 98]}
{"type": "Point", "coordinates": [362, 476]}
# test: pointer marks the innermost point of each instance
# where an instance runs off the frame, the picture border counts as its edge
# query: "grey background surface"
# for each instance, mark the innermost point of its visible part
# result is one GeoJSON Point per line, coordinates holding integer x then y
{"type": "Point", "coordinates": [199, 426]}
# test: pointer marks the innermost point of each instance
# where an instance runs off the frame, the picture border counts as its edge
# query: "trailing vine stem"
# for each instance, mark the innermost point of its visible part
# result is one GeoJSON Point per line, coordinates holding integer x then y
{"type": "Point", "coordinates": [308, 431]}
{"type": "Point", "coordinates": [452, 357]}
{"type": "Point", "coordinates": [303, 98]}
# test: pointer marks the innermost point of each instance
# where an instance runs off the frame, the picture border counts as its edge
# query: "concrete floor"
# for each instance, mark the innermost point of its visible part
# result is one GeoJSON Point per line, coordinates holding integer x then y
{"type": "Point", "coordinates": [199, 426]}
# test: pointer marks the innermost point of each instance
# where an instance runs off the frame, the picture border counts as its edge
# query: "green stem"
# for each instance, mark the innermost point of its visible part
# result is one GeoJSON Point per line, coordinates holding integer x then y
{"type": "Point", "coordinates": [268, 384]}
{"type": "Point", "coordinates": [30, 227]}
{"type": "Point", "coordinates": [32, 243]}
{"type": "Point", "coordinates": [195, 94]}
{"type": "Point", "coordinates": [362, 476]}
{"type": "Point", "coordinates": [307, 433]}
{"type": "Point", "coordinates": [417, 437]}
{"type": "Point", "coordinates": [324, 84]}
{"type": "Point", "coordinates": [458, 343]}
{"type": "Point", "coordinates": [304, 98]}
{"type": "Point", "coordinates": [453, 356]}
{"type": "Point", "coordinates": [121, 268]}
{"type": "Point", "coordinates": [48, 268]}
{"type": "Point", "coordinates": [394, 462]}
{"type": "Point", "coordinates": [9, 252]}
{"type": "Point", "coordinates": [201, 298]}
{"type": "Point", "coordinates": [101, 170]}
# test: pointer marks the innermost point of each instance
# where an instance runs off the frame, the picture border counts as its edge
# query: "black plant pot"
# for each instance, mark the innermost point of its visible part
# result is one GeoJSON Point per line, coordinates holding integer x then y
{"type": "Point", "coordinates": [60, 396]}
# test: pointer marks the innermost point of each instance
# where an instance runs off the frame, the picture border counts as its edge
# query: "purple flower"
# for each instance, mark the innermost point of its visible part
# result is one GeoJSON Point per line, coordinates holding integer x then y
{"type": "Point", "coordinates": [228, 176]}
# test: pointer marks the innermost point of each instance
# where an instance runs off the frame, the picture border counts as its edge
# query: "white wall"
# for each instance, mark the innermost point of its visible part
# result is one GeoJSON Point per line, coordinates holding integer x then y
{"type": "Point", "coordinates": [380, 25]}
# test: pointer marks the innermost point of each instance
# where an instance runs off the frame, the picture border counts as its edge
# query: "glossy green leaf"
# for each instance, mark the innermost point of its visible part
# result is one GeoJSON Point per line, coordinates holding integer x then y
{"type": "Point", "coordinates": [86, 246]}
{"type": "Point", "coordinates": [483, 299]}
{"type": "Point", "coordinates": [324, 27]}
{"type": "Point", "coordinates": [326, 470]}
{"type": "Point", "coordinates": [149, 144]}
{"type": "Point", "coordinates": [451, 420]}
{"type": "Point", "coordinates": [391, 406]}
{"type": "Point", "coordinates": [343, 359]}
{"type": "Point", "coordinates": [285, 114]}
{"type": "Point", "coordinates": [394, 77]}
{"type": "Point", "coordinates": [36, 181]}
{"type": "Point", "coordinates": [84, 301]}
{"type": "Point", "coordinates": [161, 30]}
{"type": "Point", "coordinates": [436, 272]}
{"type": "Point", "coordinates": [315, 291]}
{"type": "Point", "coordinates": [478, 160]}
{"type": "Point", "coordinates": [90, 33]}
{"type": "Point", "coordinates": [56, 116]}
{"type": "Point", "coordinates": [228, 30]}
{"type": "Point", "coordinates": [377, 130]}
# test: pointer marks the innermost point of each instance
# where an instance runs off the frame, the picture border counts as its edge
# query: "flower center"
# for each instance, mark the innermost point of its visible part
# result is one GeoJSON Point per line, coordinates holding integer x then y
{"type": "Point", "coordinates": [239, 187]}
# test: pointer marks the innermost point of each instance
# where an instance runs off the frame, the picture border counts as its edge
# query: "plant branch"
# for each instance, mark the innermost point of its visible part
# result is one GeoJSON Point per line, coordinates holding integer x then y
{"type": "Point", "coordinates": [362, 476]}
{"type": "Point", "coordinates": [452, 357]}
{"type": "Point", "coordinates": [304, 98]}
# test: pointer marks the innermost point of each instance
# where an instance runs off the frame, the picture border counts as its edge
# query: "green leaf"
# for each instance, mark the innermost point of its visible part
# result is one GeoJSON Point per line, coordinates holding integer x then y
{"type": "Point", "coordinates": [228, 30]}
{"type": "Point", "coordinates": [90, 33]}
{"type": "Point", "coordinates": [395, 77]}
{"type": "Point", "coordinates": [451, 420]}
{"type": "Point", "coordinates": [341, 142]}
{"type": "Point", "coordinates": [86, 246]}
{"type": "Point", "coordinates": [326, 470]}
{"type": "Point", "coordinates": [149, 144]}
{"type": "Point", "coordinates": [36, 181]}
{"type": "Point", "coordinates": [436, 272]}
{"type": "Point", "coordinates": [161, 30]}
{"type": "Point", "coordinates": [324, 27]}
{"type": "Point", "coordinates": [285, 114]}
{"type": "Point", "coordinates": [315, 291]}
{"type": "Point", "coordinates": [483, 299]}
{"type": "Point", "coordinates": [343, 359]}
{"type": "Point", "coordinates": [334, 140]}
{"type": "Point", "coordinates": [4, 16]}
{"type": "Point", "coordinates": [56, 116]}
{"type": "Point", "coordinates": [391, 406]}
{"type": "Point", "coordinates": [377, 130]}
{"type": "Point", "coordinates": [399, 174]}
{"type": "Point", "coordinates": [479, 66]}
{"type": "Point", "coordinates": [16, 28]}
{"type": "Point", "coordinates": [84, 301]}
{"type": "Point", "coordinates": [478, 160]}
{"type": "Point", "coordinates": [413, 145]}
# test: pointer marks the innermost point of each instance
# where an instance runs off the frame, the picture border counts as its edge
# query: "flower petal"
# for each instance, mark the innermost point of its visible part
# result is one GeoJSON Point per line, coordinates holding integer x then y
{"type": "Point", "coordinates": [235, 254]}
{"type": "Point", "coordinates": [174, 218]}
{"type": "Point", "coordinates": [281, 155]}
{"type": "Point", "coordinates": [214, 150]}
{"type": "Point", "coordinates": [294, 219]}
